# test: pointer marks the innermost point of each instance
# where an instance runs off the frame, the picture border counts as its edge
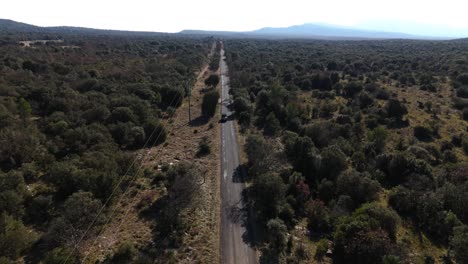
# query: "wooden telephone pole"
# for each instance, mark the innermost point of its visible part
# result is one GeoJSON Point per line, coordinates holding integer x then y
{"type": "Point", "coordinates": [189, 91]}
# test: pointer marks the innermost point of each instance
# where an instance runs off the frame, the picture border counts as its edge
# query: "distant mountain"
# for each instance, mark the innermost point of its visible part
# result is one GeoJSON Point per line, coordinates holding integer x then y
{"type": "Point", "coordinates": [312, 31]}
{"type": "Point", "coordinates": [329, 31]}
{"type": "Point", "coordinates": [316, 31]}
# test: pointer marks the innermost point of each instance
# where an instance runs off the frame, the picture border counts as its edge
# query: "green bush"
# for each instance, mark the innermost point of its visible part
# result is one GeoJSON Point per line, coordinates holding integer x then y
{"type": "Point", "coordinates": [210, 103]}
{"type": "Point", "coordinates": [321, 249]}
{"type": "Point", "coordinates": [60, 255]}
{"type": "Point", "coordinates": [204, 147]}
{"type": "Point", "coordinates": [15, 238]}
{"type": "Point", "coordinates": [125, 253]}
{"type": "Point", "coordinates": [212, 80]}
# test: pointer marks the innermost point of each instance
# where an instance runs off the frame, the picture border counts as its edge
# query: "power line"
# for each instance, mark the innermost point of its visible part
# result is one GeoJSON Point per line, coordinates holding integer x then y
{"type": "Point", "coordinates": [129, 207]}
{"type": "Point", "coordinates": [117, 187]}
{"type": "Point", "coordinates": [127, 189]}
{"type": "Point", "coordinates": [114, 191]}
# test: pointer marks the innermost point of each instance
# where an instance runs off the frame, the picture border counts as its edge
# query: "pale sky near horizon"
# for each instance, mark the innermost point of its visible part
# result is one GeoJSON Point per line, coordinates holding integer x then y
{"type": "Point", "coordinates": [234, 15]}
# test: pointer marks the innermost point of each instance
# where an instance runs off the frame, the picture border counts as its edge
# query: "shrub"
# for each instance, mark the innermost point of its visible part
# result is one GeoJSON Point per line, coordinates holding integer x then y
{"type": "Point", "coordinates": [351, 89]}
{"type": "Point", "coordinates": [321, 249]}
{"type": "Point", "coordinates": [80, 209]}
{"type": "Point", "coordinates": [125, 253]}
{"type": "Point", "coordinates": [212, 80]}
{"type": "Point", "coordinates": [15, 238]}
{"type": "Point", "coordinates": [358, 186]}
{"type": "Point", "coordinates": [319, 217]}
{"type": "Point", "coordinates": [209, 103]}
{"type": "Point", "coordinates": [60, 255]}
{"type": "Point", "coordinates": [459, 243]}
{"type": "Point", "coordinates": [269, 193]}
{"type": "Point", "coordinates": [465, 144]}
{"type": "Point", "coordinates": [272, 125]}
{"type": "Point", "coordinates": [333, 161]}
{"type": "Point", "coordinates": [396, 109]}
{"type": "Point", "coordinates": [204, 147]}
{"type": "Point", "coordinates": [387, 218]}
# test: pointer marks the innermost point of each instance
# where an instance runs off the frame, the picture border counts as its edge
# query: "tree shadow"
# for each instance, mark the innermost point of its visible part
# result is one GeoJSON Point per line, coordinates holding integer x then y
{"type": "Point", "coordinates": [239, 174]}
{"type": "Point", "coordinates": [396, 123]}
{"type": "Point", "coordinates": [252, 235]}
{"type": "Point", "coordinates": [239, 215]}
{"type": "Point", "coordinates": [37, 251]}
{"type": "Point", "coordinates": [199, 121]}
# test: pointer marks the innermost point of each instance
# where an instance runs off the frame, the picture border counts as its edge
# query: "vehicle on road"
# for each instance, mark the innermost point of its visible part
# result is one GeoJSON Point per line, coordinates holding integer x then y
{"type": "Point", "coordinates": [224, 118]}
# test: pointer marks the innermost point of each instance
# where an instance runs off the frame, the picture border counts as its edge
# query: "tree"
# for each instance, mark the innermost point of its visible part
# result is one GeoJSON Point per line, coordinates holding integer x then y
{"type": "Point", "coordinates": [387, 218]}
{"type": "Point", "coordinates": [259, 154]}
{"type": "Point", "coordinates": [123, 114]}
{"type": "Point", "coordinates": [403, 201]}
{"type": "Point", "coordinates": [60, 255]}
{"type": "Point", "coordinates": [79, 210]}
{"type": "Point", "coordinates": [241, 104]}
{"type": "Point", "coordinates": [277, 233]}
{"type": "Point", "coordinates": [155, 132]}
{"type": "Point", "coordinates": [356, 243]}
{"type": "Point", "coordinates": [319, 217]}
{"type": "Point", "coordinates": [15, 238]}
{"type": "Point", "coordinates": [125, 253]}
{"type": "Point", "coordinates": [358, 186]}
{"type": "Point", "coordinates": [301, 151]}
{"type": "Point", "coordinates": [171, 97]}
{"type": "Point", "coordinates": [363, 237]}
{"type": "Point", "coordinates": [12, 193]}
{"type": "Point", "coordinates": [212, 80]}
{"type": "Point", "coordinates": [332, 163]}
{"type": "Point", "coordinates": [269, 192]}
{"type": "Point", "coordinates": [459, 243]}
{"type": "Point", "coordinates": [335, 78]}
{"type": "Point", "coordinates": [378, 137]}
{"type": "Point", "coordinates": [39, 209]}
{"type": "Point", "coordinates": [272, 125]}
{"type": "Point", "coordinates": [396, 109]}
{"type": "Point", "coordinates": [209, 103]}
{"type": "Point", "coordinates": [24, 109]}
{"type": "Point", "coordinates": [352, 89]}
{"type": "Point", "coordinates": [321, 249]}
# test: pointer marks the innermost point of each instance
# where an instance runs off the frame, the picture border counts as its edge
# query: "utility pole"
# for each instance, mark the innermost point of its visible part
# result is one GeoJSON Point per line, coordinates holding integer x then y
{"type": "Point", "coordinates": [189, 90]}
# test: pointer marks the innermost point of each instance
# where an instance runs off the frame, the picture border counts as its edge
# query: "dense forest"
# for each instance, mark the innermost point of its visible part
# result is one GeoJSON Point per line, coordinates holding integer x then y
{"type": "Point", "coordinates": [72, 115]}
{"type": "Point", "coordinates": [356, 150]}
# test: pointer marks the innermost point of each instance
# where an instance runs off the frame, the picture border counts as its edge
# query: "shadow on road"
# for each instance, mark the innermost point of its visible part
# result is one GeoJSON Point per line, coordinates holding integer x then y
{"type": "Point", "coordinates": [240, 215]}
{"type": "Point", "coordinates": [239, 175]}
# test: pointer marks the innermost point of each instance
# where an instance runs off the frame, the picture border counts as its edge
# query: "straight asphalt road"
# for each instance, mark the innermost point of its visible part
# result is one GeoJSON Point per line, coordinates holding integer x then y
{"type": "Point", "coordinates": [234, 237]}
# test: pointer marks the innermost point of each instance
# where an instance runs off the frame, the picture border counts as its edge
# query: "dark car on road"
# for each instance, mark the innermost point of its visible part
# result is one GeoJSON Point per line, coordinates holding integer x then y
{"type": "Point", "coordinates": [224, 118]}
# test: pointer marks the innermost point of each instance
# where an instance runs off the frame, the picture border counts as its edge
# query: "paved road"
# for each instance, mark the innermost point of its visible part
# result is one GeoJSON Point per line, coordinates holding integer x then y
{"type": "Point", "coordinates": [234, 248]}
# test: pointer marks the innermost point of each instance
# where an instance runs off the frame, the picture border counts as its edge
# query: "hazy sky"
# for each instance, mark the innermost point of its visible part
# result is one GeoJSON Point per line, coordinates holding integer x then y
{"type": "Point", "coordinates": [238, 15]}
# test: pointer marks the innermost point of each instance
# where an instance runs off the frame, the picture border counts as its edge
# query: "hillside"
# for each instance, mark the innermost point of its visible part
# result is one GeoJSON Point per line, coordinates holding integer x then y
{"type": "Point", "coordinates": [13, 28]}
